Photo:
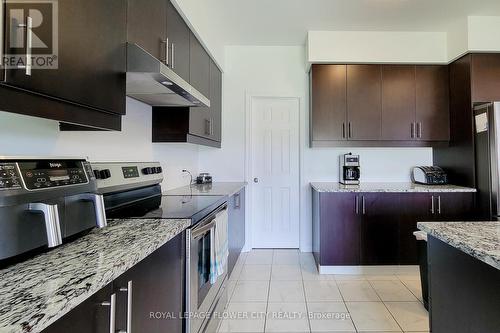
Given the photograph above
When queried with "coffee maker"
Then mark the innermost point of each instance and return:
(45, 202)
(349, 169)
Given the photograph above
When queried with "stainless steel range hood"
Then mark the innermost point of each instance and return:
(151, 81)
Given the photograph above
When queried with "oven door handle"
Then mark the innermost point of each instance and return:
(202, 230)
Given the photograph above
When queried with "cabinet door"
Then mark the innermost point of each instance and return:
(415, 207)
(91, 54)
(147, 24)
(215, 102)
(379, 228)
(178, 34)
(328, 103)
(454, 206)
(2, 36)
(398, 102)
(364, 102)
(432, 96)
(90, 316)
(236, 228)
(339, 229)
(199, 67)
(157, 287)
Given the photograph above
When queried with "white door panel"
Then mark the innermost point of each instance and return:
(275, 163)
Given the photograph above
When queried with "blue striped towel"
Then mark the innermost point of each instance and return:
(220, 246)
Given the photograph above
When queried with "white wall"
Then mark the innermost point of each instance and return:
(483, 33)
(376, 47)
(22, 135)
(280, 71)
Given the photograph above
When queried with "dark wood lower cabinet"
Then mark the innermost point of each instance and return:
(236, 228)
(377, 228)
(156, 287)
(91, 316)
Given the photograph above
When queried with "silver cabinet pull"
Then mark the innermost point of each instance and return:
(343, 130)
(419, 130)
(432, 204)
(211, 126)
(412, 130)
(173, 55)
(237, 201)
(112, 313)
(363, 204)
(52, 222)
(165, 42)
(29, 44)
(356, 205)
(99, 208)
(439, 204)
(129, 305)
(350, 131)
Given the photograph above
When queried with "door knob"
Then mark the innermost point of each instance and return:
(256, 180)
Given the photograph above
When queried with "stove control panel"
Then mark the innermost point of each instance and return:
(49, 174)
(9, 176)
(113, 176)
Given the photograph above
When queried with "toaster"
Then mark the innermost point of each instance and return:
(429, 175)
(204, 178)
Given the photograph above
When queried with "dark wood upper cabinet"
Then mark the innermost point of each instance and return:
(328, 103)
(364, 102)
(398, 102)
(485, 74)
(178, 34)
(147, 26)
(91, 56)
(432, 96)
(199, 67)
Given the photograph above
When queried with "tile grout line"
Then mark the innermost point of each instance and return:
(268, 293)
(345, 304)
(305, 296)
(383, 302)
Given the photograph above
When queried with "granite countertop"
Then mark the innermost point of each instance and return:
(37, 292)
(481, 240)
(387, 187)
(219, 188)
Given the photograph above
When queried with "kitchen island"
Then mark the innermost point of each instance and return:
(464, 276)
(38, 292)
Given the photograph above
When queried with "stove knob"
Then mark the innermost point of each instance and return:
(159, 170)
(97, 174)
(148, 171)
(105, 174)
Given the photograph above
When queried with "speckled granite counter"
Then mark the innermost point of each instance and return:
(481, 240)
(37, 292)
(221, 188)
(388, 187)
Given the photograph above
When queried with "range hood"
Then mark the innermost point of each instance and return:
(151, 81)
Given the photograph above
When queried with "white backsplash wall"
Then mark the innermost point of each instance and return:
(22, 135)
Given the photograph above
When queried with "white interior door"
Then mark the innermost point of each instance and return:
(275, 172)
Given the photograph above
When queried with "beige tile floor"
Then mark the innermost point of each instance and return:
(281, 291)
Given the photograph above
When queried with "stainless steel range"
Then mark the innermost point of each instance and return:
(45, 202)
(132, 190)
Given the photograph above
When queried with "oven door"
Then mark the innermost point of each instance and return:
(202, 293)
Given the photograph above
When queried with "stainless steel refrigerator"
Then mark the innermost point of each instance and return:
(487, 148)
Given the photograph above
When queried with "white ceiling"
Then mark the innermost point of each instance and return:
(286, 22)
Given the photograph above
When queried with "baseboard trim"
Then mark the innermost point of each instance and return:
(361, 270)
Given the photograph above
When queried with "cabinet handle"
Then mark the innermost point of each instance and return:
(412, 131)
(211, 126)
(356, 204)
(363, 204)
(207, 126)
(419, 130)
(350, 132)
(29, 44)
(432, 205)
(343, 130)
(165, 41)
(112, 313)
(237, 201)
(439, 204)
(173, 55)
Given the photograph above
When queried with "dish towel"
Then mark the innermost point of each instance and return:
(221, 248)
